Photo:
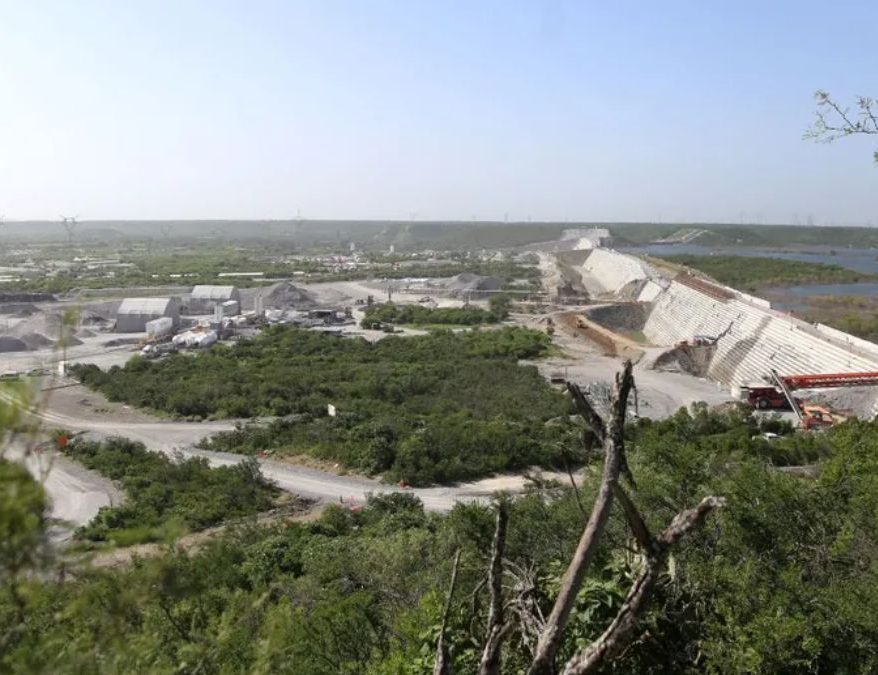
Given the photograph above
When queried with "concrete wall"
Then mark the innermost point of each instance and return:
(650, 291)
(760, 338)
(606, 271)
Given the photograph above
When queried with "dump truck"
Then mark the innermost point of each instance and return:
(767, 398)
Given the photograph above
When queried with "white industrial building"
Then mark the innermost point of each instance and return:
(134, 313)
(205, 298)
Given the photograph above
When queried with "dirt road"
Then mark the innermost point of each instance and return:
(77, 494)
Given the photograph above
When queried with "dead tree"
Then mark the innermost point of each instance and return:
(656, 550)
(548, 632)
(613, 443)
(498, 627)
(443, 665)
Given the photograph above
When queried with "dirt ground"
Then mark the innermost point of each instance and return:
(660, 394)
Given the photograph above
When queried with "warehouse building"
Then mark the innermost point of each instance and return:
(204, 299)
(134, 313)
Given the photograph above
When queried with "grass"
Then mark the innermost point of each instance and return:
(752, 274)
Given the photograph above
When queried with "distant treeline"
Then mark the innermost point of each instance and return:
(206, 266)
(775, 236)
(753, 273)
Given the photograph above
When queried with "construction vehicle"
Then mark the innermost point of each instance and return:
(816, 417)
(767, 398)
(154, 350)
(780, 396)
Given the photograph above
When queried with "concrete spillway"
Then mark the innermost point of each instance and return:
(755, 337)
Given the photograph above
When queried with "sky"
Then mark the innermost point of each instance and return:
(433, 110)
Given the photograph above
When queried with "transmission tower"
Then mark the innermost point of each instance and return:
(69, 223)
(166, 230)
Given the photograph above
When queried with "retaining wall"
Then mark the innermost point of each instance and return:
(614, 271)
(759, 338)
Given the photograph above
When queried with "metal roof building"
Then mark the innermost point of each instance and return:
(205, 297)
(134, 313)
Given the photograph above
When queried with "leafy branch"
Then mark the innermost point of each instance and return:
(833, 121)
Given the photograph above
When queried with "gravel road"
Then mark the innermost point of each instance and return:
(77, 494)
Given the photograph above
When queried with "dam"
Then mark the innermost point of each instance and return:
(748, 337)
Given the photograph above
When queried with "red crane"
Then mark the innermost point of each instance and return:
(779, 396)
(818, 417)
(830, 380)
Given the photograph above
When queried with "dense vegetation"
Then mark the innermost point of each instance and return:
(377, 316)
(440, 407)
(782, 580)
(854, 314)
(165, 496)
(746, 273)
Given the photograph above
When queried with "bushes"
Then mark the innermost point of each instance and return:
(418, 315)
(751, 273)
(162, 495)
(453, 387)
(781, 580)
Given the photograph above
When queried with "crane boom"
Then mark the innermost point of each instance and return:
(830, 380)
(787, 391)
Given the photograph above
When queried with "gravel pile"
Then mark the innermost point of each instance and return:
(467, 281)
(9, 343)
(284, 295)
(19, 309)
(36, 341)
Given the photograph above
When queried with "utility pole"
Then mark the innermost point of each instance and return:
(69, 223)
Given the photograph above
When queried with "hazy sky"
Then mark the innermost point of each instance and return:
(448, 109)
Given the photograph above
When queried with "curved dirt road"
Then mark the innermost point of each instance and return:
(78, 500)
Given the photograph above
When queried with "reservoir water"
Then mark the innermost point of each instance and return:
(863, 260)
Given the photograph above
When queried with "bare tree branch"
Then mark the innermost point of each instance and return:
(616, 635)
(595, 422)
(443, 664)
(575, 490)
(587, 412)
(833, 121)
(550, 639)
(497, 626)
(635, 520)
(526, 604)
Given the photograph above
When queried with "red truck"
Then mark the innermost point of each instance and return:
(767, 398)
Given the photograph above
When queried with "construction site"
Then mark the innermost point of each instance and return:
(672, 320)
